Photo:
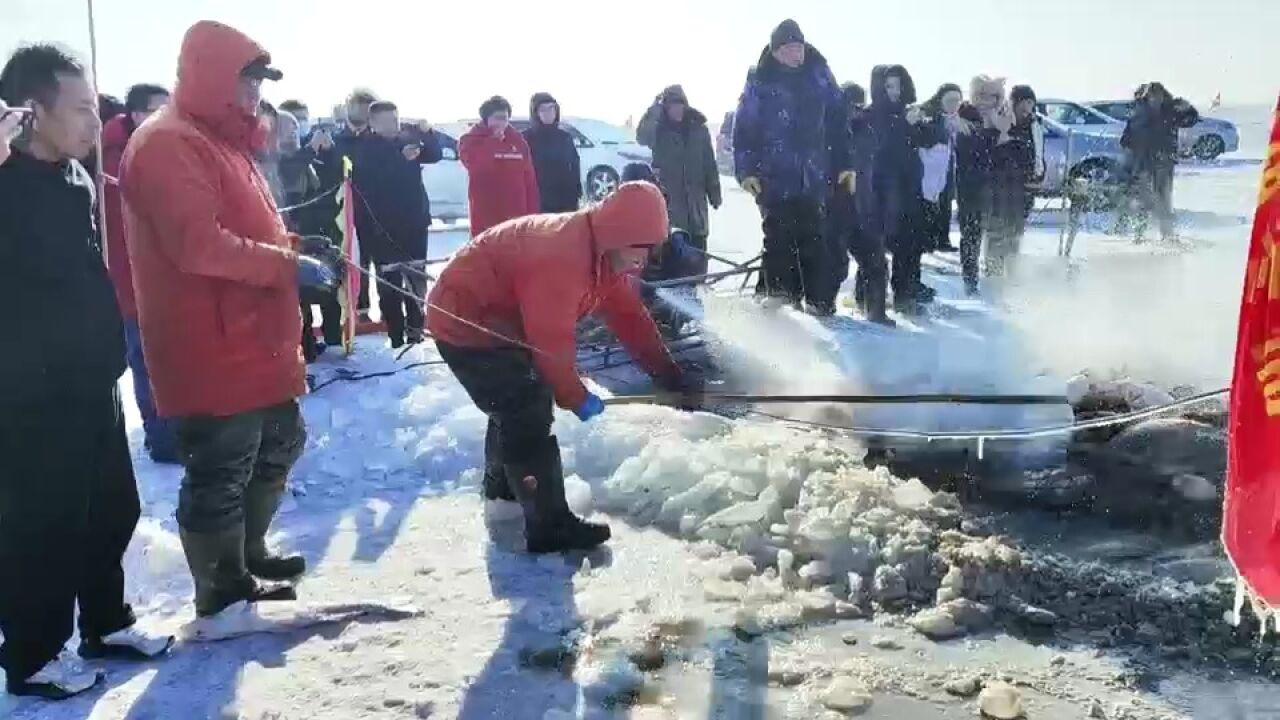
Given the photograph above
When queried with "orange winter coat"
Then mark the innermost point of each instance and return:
(534, 278)
(501, 183)
(215, 278)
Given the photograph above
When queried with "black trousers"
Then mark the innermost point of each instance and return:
(974, 203)
(504, 384)
(908, 245)
(937, 220)
(223, 455)
(1006, 223)
(68, 508)
(330, 322)
(401, 313)
(794, 251)
(700, 263)
(1155, 192)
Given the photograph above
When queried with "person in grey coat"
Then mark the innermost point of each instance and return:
(685, 161)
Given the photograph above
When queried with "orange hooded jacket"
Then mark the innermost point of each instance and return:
(532, 279)
(214, 275)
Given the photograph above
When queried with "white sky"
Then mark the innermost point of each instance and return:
(608, 59)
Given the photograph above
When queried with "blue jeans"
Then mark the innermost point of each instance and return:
(162, 441)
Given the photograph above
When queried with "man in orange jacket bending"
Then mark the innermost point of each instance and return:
(503, 314)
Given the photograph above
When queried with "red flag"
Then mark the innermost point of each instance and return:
(1251, 514)
(351, 249)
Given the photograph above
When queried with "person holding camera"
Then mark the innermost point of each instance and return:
(1151, 137)
(393, 213)
(68, 496)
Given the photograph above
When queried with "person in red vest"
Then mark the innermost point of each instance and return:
(503, 184)
(217, 281)
(503, 314)
(141, 102)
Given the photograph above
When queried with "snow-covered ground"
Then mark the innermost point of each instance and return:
(717, 521)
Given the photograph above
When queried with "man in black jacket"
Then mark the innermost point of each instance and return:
(555, 156)
(890, 200)
(68, 498)
(1151, 137)
(393, 213)
(982, 120)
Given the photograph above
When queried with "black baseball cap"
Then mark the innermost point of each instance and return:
(261, 69)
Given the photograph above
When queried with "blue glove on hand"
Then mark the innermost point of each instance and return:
(316, 275)
(590, 408)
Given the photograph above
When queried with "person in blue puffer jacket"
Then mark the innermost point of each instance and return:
(790, 146)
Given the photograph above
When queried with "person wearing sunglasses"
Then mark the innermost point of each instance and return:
(504, 313)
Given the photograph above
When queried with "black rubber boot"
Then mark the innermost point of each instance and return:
(876, 296)
(496, 486)
(218, 568)
(549, 525)
(261, 500)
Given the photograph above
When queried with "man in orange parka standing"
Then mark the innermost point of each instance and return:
(503, 314)
(217, 281)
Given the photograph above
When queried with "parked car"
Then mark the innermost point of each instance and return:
(1206, 140)
(605, 150)
(724, 145)
(1079, 151)
(1078, 115)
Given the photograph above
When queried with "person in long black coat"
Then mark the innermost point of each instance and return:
(1151, 137)
(393, 214)
(1013, 159)
(555, 156)
(889, 198)
(845, 233)
(942, 112)
(975, 140)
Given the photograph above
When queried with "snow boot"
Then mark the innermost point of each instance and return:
(496, 486)
(127, 644)
(261, 500)
(910, 307)
(218, 569)
(63, 677)
(549, 525)
(874, 306)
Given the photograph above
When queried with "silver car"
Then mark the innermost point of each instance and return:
(1205, 140)
(1079, 151)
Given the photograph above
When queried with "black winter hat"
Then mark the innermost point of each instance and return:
(537, 101)
(854, 94)
(675, 94)
(1020, 93)
(787, 32)
(638, 172)
(494, 104)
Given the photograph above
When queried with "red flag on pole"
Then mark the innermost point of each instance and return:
(1251, 513)
(347, 296)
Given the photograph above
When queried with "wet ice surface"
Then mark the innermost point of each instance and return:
(724, 523)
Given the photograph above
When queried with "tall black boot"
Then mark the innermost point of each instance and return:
(549, 525)
(877, 300)
(217, 566)
(496, 486)
(261, 500)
